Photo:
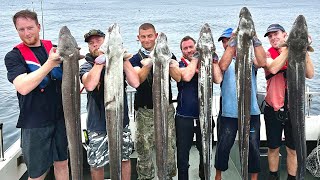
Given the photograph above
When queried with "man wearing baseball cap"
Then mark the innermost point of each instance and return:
(93, 32)
(228, 120)
(276, 101)
(92, 76)
(274, 28)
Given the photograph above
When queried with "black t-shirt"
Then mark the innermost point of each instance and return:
(96, 120)
(37, 109)
(143, 95)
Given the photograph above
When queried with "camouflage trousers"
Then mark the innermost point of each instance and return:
(98, 152)
(145, 143)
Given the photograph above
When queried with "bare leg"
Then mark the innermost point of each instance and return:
(254, 176)
(273, 159)
(292, 163)
(39, 178)
(218, 175)
(97, 173)
(61, 170)
(126, 170)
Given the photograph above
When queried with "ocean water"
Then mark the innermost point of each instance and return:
(176, 18)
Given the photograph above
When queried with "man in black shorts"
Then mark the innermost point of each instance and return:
(34, 69)
(275, 113)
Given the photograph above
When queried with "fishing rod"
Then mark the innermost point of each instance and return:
(41, 17)
(42, 21)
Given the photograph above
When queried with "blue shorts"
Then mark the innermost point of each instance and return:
(228, 128)
(42, 146)
(274, 129)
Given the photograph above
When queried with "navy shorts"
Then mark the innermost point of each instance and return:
(274, 130)
(228, 128)
(42, 146)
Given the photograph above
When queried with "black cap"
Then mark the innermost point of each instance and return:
(274, 28)
(93, 32)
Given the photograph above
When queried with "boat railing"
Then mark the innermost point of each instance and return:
(1, 143)
(309, 95)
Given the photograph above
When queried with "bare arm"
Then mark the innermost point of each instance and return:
(273, 66)
(142, 73)
(131, 74)
(91, 79)
(188, 72)
(226, 58)
(260, 57)
(217, 74)
(25, 83)
(174, 70)
(309, 67)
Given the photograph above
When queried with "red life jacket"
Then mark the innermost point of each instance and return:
(28, 55)
(274, 54)
(186, 62)
(33, 63)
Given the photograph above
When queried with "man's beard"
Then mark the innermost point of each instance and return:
(31, 42)
(94, 53)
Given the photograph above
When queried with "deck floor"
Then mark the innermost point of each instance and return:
(231, 174)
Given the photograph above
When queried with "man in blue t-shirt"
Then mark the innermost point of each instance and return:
(228, 122)
(187, 113)
(31, 66)
(92, 76)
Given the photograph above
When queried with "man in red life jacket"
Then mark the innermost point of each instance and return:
(34, 69)
(276, 101)
(185, 72)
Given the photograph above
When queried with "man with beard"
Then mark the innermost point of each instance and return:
(34, 69)
(92, 76)
(187, 113)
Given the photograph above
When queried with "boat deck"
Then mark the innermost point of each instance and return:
(232, 173)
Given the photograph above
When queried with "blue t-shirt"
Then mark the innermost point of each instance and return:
(229, 93)
(188, 102)
(37, 109)
(96, 120)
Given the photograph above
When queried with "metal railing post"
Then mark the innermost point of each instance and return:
(1, 143)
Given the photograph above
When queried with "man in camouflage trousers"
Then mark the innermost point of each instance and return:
(145, 138)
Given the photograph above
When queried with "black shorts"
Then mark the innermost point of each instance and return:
(42, 146)
(274, 128)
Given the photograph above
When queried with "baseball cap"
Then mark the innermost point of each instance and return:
(226, 34)
(93, 32)
(274, 28)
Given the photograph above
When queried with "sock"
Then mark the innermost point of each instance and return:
(291, 177)
(275, 174)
